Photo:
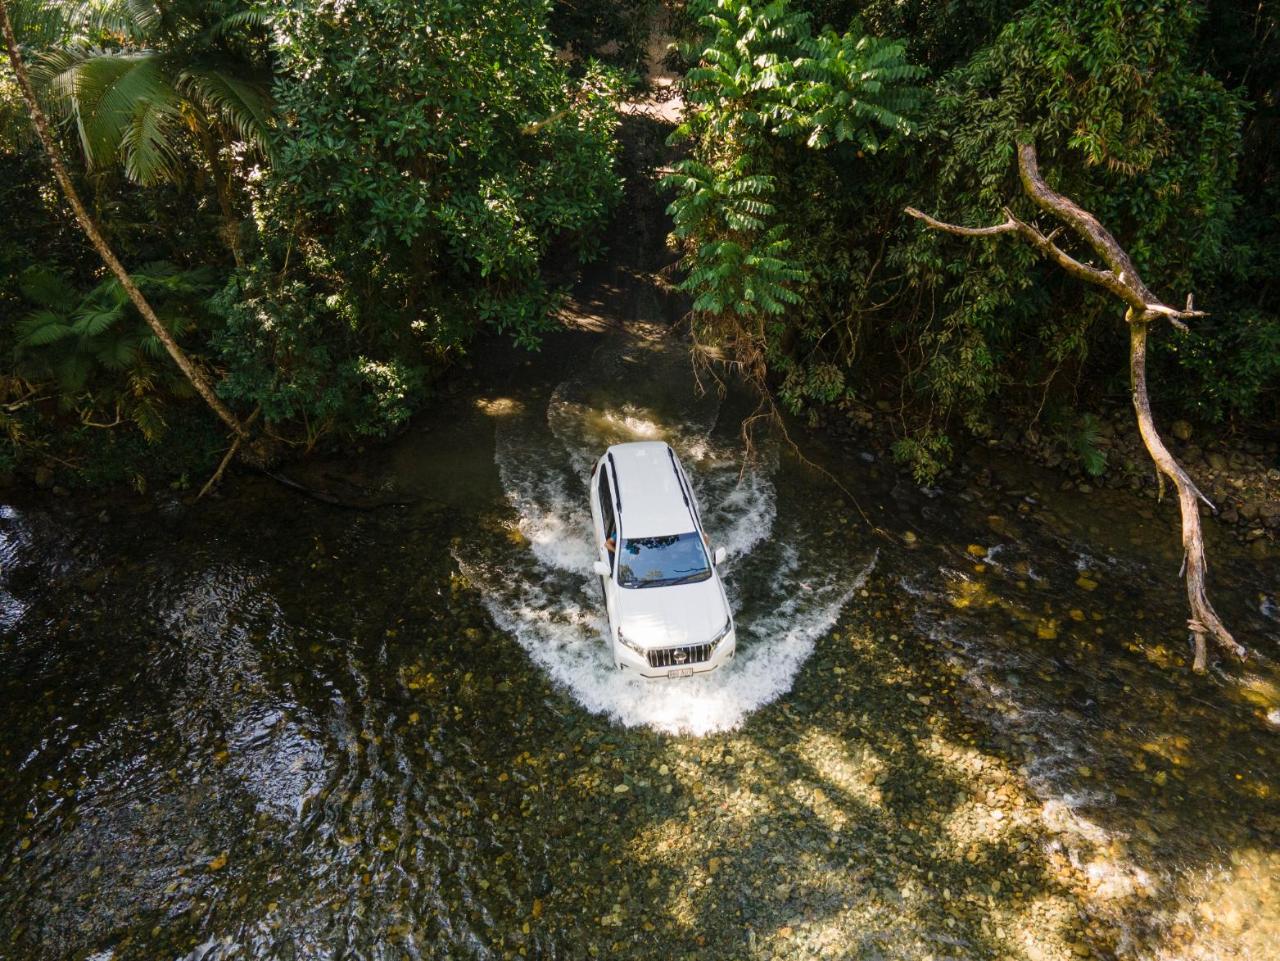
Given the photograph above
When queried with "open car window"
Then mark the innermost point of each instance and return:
(606, 507)
(662, 561)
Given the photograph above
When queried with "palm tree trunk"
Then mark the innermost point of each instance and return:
(189, 370)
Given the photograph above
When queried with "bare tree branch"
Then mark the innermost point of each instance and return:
(1204, 619)
(1044, 244)
(1122, 279)
(1085, 224)
(1009, 226)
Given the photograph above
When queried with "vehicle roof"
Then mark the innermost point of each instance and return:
(652, 500)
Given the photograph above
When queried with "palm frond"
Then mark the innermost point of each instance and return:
(42, 327)
(151, 346)
(242, 105)
(119, 96)
(146, 413)
(129, 20)
(96, 317)
(117, 353)
(249, 17)
(45, 287)
(38, 24)
(149, 147)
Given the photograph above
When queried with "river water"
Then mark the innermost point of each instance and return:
(265, 727)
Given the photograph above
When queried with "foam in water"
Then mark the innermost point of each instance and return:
(565, 636)
(539, 586)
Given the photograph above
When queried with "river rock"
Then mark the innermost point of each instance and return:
(43, 477)
(1216, 460)
(1181, 430)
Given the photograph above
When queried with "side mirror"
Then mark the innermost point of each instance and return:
(601, 568)
(720, 555)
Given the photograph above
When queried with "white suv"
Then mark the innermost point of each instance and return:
(668, 614)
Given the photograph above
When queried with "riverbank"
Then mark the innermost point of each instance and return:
(1241, 478)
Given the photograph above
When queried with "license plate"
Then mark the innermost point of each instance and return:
(680, 672)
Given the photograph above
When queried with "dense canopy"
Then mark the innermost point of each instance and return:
(331, 201)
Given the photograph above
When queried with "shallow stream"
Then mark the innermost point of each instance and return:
(265, 727)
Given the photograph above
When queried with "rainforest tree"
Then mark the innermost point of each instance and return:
(1142, 110)
(390, 179)
(141, 78)
(766, 98)
(433, 164)
(193, 373)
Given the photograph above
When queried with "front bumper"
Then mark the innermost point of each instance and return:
(664, 662)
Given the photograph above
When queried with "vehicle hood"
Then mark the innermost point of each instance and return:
(672, 616)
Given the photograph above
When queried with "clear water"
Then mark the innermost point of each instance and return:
(263, 727)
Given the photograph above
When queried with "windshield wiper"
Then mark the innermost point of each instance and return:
(687, 578)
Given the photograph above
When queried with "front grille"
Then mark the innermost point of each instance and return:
(680, 656)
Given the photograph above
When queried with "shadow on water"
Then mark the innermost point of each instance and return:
(1065, 618)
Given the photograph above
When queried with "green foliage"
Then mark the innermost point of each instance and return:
(143, 78)
(96, 350)
(1226, 366)
(1124, 124)
(1085, 442)
(926, 453)
(298, 356)
(937, 33)
(1128, 121)
(808, 384)
(436, 166)
(766, 93)
(435, 161)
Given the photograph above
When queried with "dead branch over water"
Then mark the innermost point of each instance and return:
(1120, 277)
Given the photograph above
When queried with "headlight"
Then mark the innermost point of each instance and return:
(632, 645)
(724, 631)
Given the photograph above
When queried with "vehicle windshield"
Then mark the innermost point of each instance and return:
(662, 561)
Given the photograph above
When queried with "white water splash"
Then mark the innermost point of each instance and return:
(564, 634)
(539, 588)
